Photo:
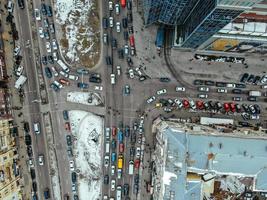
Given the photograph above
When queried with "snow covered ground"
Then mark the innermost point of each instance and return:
(80, 36)
(87, 130)
(82, 97)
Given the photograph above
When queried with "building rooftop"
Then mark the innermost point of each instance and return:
(201, 154)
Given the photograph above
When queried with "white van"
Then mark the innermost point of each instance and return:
(107, 147)
(131, 167)
(36, 128)
(112, 79)
(107, 133)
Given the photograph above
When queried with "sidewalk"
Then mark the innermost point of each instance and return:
(25, 181)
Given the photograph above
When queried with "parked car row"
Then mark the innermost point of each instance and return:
(220, 58)
(200, 82)
(253, 79)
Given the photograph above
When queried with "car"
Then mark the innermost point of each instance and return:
(44, 60)
(129, 61)
(180, 89)
(106, 161)
(37, 14)
(28, 140)
(186, 103)
(129, 5)
(263, 79)
(52, 28)
(108, 60)
(244, 78)
(59, 85)
(54, 87)
(46, 23)
(240, 85)
(106, 179)
(246, 108)
(50, 59)
(74, 188)
(237, 98)
(113, 144)
(111, 22)
(113, 184)
(121, 147)
(232, 107)
(46, 35)
(256, 80)
(137, 152)
(230, 85)
(31, 163)
(120, 53)
(29, 151)
(32, 172)
(48, 47)
(113, 170)
(127, 90)
(41, 159)
(48, 72)
(69, 152)
(117, 9)
(178, 102)
(252, 109)
(164, 79)
(236, 91)
(245, 116)
(151, 99)
(257, 109)
(137, 69)
(19, 70)
(131, 73)
(251, 98)
(250, 78)
(55, 56)
(110, 5)
(114, 131)
(131, 31)
(125, 35)
(226, 107)
(222, 90)
(198, 82)
(142, 78)
(74, 177)
(34, 186)
(126, 49)
(41, 32)
(71, 165)
(167, 109)
(220, 84)
(254, 117)
(64, 81)
(192, 104)
(209, 83)
(203, 96)
(67, 126)
(54, 44)
(162, 91)
(69, 140)
(129, 17)
(238, 108)
(82, 85)
(43, 9)
(124, 22)
(54, 71)
(17, 50)
(203, 89)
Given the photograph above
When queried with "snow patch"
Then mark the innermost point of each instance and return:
(167, 176)
(82, 97)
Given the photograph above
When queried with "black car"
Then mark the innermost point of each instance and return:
(164, 79)
(132, 151)
(73, 177)
(95, 80)
(113, 144)
(129, 61)
(133, 138)
(28, 140)
(21, 4)
(244, 124)
(257, 109)
(136, 189)
(120, 53)
(75, 197)
(238, 108)
(124, 23)
(240, 85)
(245, 107)
(50, 59)
(251, 78)
(26, 127)
(32, 172)
(105, 23)
(218, 106)
(236, 91)
(210, 83)
(49, 11)
(106, 179)
(129, 5)
(29, 151)
(212, 105)
(198, 82)
(69, 141)
(129, 17)
(108, 60)
(252, 98)
(126, 189)
(220, 84)
(48, 72)
(43, 9)
(136, 179)
(44, 60)
(34, 186)
(244, 78)
(114, 43)
(256, 80)
(125, 35)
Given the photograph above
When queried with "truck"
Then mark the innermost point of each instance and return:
(131, 167)
(120, 162)
(254, 93)
(159, 39)
(20, 82)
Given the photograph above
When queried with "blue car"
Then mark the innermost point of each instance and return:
(48, 72)
(82, 85)
(113, 157)
(120, 136)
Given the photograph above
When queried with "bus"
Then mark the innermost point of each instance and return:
(123, 3)
(63, 66)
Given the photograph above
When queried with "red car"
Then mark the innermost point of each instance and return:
(67, 126)
(200, 104)
(114, 131)
(232, 106)
(137, 164)
(226, 107)
(121, 147)
(186, 103)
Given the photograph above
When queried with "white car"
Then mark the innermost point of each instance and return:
(110, 22)
(98, 87)
(112, 170)
(230, 85)
(264, 79)
(151, 99)
(118, 70)
(126, 49)
(137, 69)
(55, 57)
(203, 89)
(73, 188)
(110, 5)
(30, 162)
(19, 70)
(64, 74)
(54, 71)
(179, 89)
(37, 14)
(118, 27)
(54, 44)
(192, 104)
(41, 159)
(48, 47)
(117, 9)
(179, 103)
(71, 165)
(222, 90)
(131, 72)
(113, 185)
(203, 96)
(58, 84)
(17, 50)
(41, 32)
(137, 152)
(162, 91)
(106, 161)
